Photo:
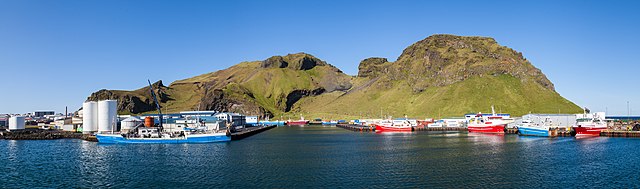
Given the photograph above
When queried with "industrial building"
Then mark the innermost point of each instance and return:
(4, 120)
(43, 113)
(557, 120)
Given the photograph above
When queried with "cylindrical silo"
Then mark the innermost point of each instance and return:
(89, 117)
(16, 123)
(129, 124)
(107, 115)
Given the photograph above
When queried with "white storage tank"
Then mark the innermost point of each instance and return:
(130, 123)
(16, 123)
(107, 115)
(89, 117)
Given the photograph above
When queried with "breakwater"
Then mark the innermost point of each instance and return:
(40, 134)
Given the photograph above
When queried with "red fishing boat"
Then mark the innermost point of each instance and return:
(487, 124)
(394, 126)
(302, 121)
(589, 124)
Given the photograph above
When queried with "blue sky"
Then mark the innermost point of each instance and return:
(56, 53)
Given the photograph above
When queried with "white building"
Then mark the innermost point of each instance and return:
(557, 120)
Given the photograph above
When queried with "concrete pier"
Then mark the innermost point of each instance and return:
(250, 131)
(620, 133)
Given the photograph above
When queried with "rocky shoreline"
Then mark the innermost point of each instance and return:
(40, 134)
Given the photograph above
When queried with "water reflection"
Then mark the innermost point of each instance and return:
(323, 157)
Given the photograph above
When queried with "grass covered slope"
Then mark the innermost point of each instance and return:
(475, 94)
(442, 76)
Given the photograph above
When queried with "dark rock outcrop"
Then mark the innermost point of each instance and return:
(133, 101)
(441, 60)
(372, 67)
(298, 61)
(296, 95)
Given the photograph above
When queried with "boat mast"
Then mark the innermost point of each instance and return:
(156, 101)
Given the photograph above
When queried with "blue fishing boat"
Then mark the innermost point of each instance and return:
(528, 128)
(162, 139)
(329, 122)
(277, 123)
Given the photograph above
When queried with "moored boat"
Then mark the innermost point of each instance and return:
(154, 135)
(589, 124)
(487, 124)
(394, 126)
(316, 121)
(528, 128)
(302, 121)
(332, 122)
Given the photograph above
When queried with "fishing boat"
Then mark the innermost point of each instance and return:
(154, 135)
(589, 124)
(394, 126)
(529, 128)
(316, 121)
(332, 122)
(302, 121)
(487, 124)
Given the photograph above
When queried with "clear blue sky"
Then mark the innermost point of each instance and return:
(56, 53)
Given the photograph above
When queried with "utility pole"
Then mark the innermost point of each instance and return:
(628, 110)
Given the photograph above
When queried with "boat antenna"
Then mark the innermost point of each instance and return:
(493, 111)
(155, 100)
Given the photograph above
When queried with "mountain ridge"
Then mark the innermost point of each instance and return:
(303, 84)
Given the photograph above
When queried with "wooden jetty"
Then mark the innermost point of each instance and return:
(250, 131)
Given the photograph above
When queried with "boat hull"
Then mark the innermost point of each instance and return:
(381, 128)
(588, 131)
(195, 138)
(534, 131)
(487, 129)
(297, 122)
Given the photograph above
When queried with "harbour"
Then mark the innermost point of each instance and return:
(319, 94)
(287, 156)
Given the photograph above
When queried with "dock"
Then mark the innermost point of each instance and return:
(363, 128)
(620, 133)
(353, 127)
(250, 131)
(439, 129)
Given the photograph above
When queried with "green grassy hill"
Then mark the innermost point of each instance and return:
(507, 93)
(440, 76)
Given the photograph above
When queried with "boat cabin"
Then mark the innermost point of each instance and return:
(149, 132)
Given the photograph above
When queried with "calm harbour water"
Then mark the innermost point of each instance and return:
(328, 157)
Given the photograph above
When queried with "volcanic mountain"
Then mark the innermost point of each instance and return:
(440, 76)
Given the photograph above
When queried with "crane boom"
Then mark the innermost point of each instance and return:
(153, 94)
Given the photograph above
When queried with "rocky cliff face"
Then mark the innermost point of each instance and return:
(299, 61)
(373, 67)
(441, 60)
(137, 101)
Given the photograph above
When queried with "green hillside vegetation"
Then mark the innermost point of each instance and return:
(476, 94)
(440, 76)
